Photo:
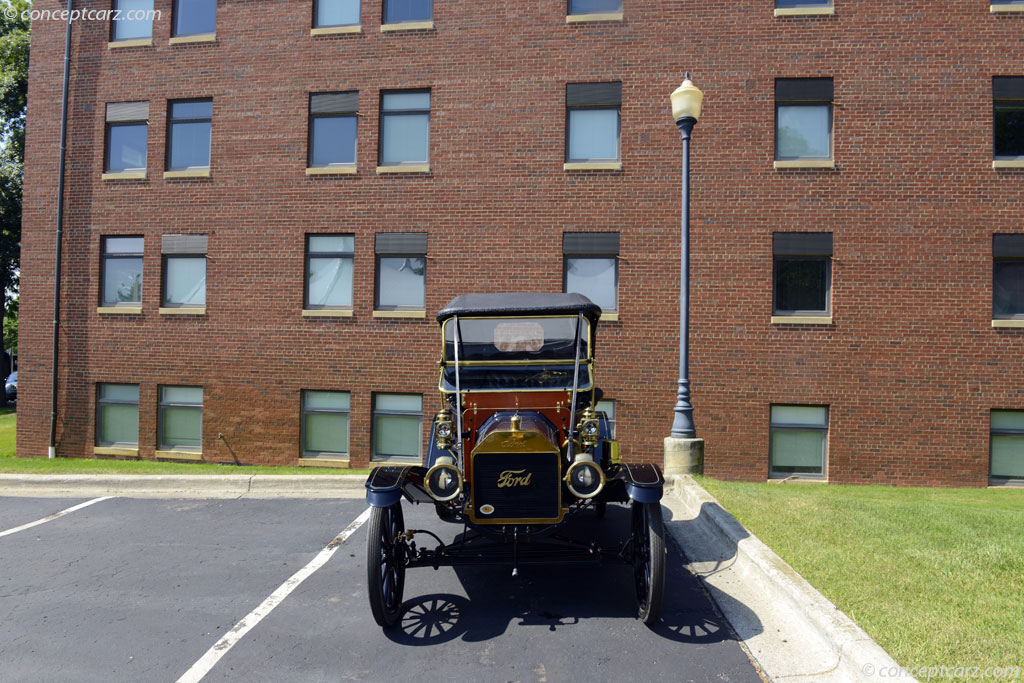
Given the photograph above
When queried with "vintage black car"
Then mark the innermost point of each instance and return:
(516, 449)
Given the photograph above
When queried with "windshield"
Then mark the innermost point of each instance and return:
(516, 339)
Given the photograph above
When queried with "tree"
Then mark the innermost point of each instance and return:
(14, 46)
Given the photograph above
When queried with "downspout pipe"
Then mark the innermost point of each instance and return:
(52, 452)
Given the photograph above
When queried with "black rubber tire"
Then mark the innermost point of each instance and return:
(385, 564)
(648, 560)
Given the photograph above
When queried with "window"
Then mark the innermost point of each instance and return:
(1008, 117)
(121, 271)
(405, 127)
(405, 11)
(184, 270)
(325, 424)
(117, 415)
(802, 273)
(594, 6)
(397, 426)
(401, 270)
(591, 267)
(127, 129)
(592, 122)
(332, 129)
(802, 4)
(327, 13)
(181, 419)
(803, 118)
(194, 18)
(132, 20)
(188, 134)
(1008, 276)
(1006, 450)
(329, 271)
(608, 406)
(799, 440)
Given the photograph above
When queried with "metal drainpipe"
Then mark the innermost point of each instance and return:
(52, 453)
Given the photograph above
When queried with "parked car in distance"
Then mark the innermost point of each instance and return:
(11, 386)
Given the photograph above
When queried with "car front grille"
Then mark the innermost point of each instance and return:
(516, 487)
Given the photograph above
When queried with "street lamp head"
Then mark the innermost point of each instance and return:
(686, 101)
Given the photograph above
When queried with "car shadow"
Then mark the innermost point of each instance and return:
(555, 597)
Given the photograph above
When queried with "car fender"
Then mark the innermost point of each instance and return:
(643, 481)
(387, 484)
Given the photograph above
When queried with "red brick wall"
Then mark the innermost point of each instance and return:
(910, 367)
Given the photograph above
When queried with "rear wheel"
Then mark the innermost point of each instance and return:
(648, 560)
(385, 564)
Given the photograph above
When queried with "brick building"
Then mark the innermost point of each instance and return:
(268, 201)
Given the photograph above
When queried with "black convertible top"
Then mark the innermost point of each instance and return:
(520, 303)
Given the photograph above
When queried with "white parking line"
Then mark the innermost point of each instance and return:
(221, 647)
(56, 515)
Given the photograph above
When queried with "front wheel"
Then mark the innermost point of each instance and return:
(648, 560)
(385, 564)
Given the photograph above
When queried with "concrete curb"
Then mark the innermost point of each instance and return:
(183, 486)
(793, 603)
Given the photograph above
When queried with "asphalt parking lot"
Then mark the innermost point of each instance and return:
(155, 590)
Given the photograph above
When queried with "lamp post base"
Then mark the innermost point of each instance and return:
(684, 456)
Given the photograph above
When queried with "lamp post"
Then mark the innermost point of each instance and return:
(684, 453)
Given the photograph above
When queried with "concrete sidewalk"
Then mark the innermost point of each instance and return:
(790, 629)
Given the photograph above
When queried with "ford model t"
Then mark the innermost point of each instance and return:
(516, 450)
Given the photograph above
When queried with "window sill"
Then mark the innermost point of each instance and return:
(124, 175)
(592, 166)
(197, 310)
(804, 11)
(999, 9)
(335, 30)
(399, 314)
(1009, 322)
(119, 310)
(188, 173)
(331, 170)
(140, 42)
(327, 313)
(201, 38)
(610, 317)
(583, 18)
(408, 26)
(120, 452)
(1008, 163)
(411, 168)
(806, 163)
(191, 456)
(342, 463)
(801, 320)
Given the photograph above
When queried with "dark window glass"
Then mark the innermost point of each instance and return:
(132, 20)
(802, 3)
(332, 140)
(1009, 128)
(336, 13)
(801, 284)
(126, 146)
(329, 271)
(799, 438)
(195, 17)
(594, 6)
(400, 11)
(1008, 288)
(405, 128)
(188, 134)
(122, 271)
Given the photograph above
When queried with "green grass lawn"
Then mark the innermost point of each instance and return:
(12, 465)
(936, 576)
